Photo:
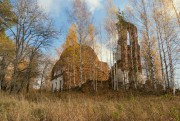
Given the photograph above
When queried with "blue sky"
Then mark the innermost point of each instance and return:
(57, 10)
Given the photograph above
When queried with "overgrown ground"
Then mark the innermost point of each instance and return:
(78, 106)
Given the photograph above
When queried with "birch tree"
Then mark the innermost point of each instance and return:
(156, 20)
(176, 11)
(81, 17)
(110, 27)
(140, 14)
(91, 43)
(167, 36)
(71, 41)
(45, 70)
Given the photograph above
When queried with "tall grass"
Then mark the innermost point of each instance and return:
(76, 106)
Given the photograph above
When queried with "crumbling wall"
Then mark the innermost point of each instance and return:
(130, 61)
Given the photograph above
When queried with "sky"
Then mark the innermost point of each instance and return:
(57, 10)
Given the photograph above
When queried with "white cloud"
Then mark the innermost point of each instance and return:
(50, 6)
(54, 5)
(45, 4)
(93, 4)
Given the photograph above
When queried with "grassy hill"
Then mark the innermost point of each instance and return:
(78, 106)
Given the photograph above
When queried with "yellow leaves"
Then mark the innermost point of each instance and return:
(166, 9)
(70, 46)
(6, 14)
(111, 8)
(91, 30)
(70, 62)
(110, 21)
(91, 35)
(155, 54)
(22, 65)
(71, 38)
(6, 45)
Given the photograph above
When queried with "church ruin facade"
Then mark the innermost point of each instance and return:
(127, 69)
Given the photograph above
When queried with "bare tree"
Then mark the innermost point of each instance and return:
(46, 67)
(167, 34)
(32, 31)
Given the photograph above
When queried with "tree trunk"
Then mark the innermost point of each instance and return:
(176, 12)
(27, 87)
(151, 58)
(2, 75)
(80, 63)
(15, 76)
(160, 54)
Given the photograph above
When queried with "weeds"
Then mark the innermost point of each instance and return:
(87, 107)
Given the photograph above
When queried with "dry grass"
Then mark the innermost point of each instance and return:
(76, 106)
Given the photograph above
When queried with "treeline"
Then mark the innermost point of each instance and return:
(158, 24)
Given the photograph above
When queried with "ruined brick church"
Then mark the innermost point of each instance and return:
(127, 68)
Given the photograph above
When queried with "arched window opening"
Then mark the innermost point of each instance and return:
(128, 38)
